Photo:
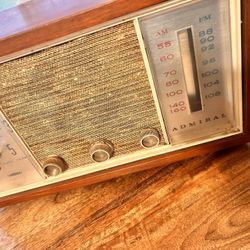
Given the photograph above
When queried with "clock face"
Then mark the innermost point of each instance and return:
(17, 167)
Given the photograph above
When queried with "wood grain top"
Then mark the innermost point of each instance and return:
(201, 203)
(40, 21)
(36, 13)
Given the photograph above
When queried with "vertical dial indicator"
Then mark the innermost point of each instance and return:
(186, 43)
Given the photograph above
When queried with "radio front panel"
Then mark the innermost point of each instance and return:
(163, 80)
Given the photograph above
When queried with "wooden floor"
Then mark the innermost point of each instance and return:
(201, 203)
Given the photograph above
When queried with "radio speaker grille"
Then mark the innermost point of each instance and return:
(63, 98)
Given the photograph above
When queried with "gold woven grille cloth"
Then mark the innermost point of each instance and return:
(63, 98)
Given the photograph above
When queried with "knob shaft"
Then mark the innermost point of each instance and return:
(54, 165)
(101, 150)
(150, 138)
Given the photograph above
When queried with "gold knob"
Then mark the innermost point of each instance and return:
(150, 138)
(101, 150)
(54, 165)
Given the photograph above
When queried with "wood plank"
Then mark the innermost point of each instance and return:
(201, 203)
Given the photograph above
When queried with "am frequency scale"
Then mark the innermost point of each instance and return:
(192, 55)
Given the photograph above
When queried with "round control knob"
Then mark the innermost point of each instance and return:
(150, 138)
(54, 165)
(101, 150)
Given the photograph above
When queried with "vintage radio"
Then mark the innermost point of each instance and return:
(91, 91)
